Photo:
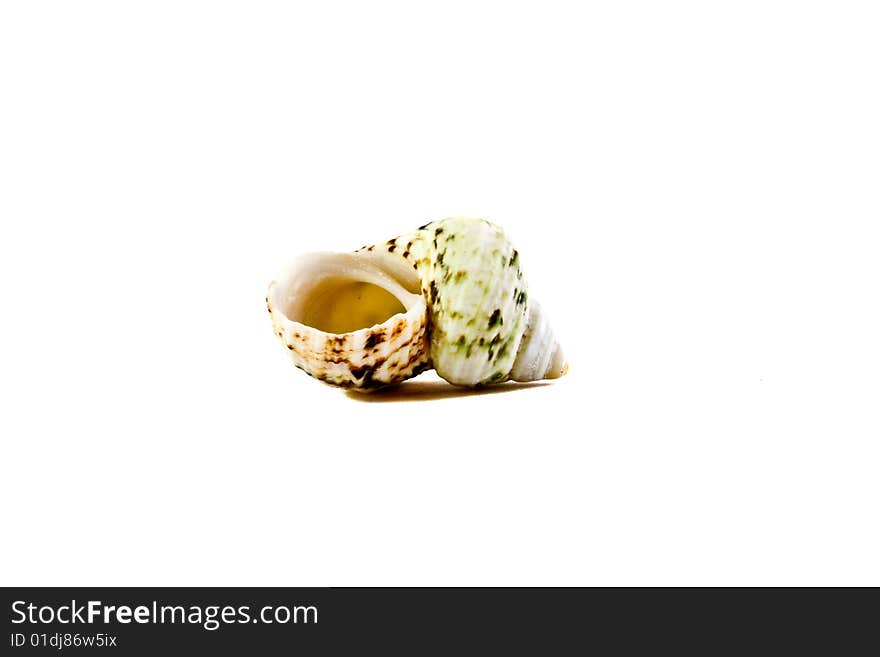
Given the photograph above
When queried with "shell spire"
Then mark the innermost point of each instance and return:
(450, 295)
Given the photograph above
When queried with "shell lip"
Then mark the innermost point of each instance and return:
(308, 269)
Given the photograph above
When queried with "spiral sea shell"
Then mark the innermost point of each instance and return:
(450, 295)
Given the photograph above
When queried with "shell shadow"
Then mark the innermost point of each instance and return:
(414, 391)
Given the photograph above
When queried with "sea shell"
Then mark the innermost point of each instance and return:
(450, 295)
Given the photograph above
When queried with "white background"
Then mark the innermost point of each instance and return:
(693, 188)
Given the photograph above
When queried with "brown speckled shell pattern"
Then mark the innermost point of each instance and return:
(385, 354)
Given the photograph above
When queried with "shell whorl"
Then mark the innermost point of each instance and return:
(464, 309)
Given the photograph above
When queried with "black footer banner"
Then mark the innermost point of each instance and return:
(317, 621)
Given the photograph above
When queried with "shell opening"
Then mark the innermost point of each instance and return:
(341, 292)
(340, 306)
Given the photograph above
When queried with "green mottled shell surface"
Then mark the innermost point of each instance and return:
(477, 300)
